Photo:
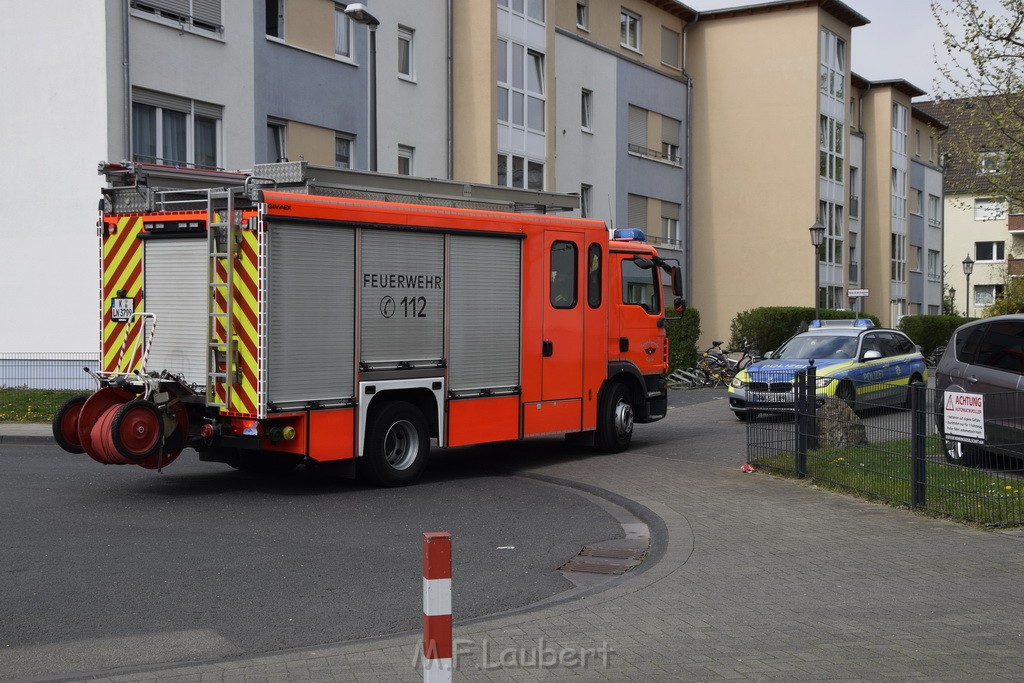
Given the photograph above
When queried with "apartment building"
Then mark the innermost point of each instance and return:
(647, 110)
(980, 226)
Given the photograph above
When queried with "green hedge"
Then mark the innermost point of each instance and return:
(682, 338)
(766, 328)
(931, 331)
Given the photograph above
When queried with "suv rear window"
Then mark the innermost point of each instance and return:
(1002, 346)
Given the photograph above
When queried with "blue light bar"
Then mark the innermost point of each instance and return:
(864, 323)
(629, 234)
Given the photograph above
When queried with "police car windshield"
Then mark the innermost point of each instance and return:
(818, 346)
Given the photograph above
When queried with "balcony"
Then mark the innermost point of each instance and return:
(1014, 266)
(1015, 222)
(649, 153)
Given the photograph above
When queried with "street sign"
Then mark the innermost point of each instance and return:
(964, 416)
(857, 293)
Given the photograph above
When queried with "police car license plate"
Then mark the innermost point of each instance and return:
(771, 398)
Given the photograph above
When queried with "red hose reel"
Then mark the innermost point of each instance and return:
(115, 426)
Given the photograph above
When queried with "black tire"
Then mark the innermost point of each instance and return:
(960, 453)
(914, 379)
(614, 420)
(137, 431)
(397, 445)
(65, 424)
(847, 394)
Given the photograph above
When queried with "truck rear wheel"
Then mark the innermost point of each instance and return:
(614, 420)
(397, 445)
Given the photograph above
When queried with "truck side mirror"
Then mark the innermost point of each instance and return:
(677, 282)
(680, 305)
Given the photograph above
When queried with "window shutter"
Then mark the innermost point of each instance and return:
(176, 7)
(636, 212)
(669, 47)
(212, 111)
(637, 127)
(163, 100)
(207, 11)
(670, 130)
(670, 210)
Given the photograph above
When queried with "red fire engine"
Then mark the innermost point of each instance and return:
(298, 313)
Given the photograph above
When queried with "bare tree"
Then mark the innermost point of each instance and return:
(983, 98)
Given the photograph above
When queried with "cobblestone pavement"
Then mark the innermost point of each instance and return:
(750, 578)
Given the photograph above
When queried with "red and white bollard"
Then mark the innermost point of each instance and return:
(437, 607)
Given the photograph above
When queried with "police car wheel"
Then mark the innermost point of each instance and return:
(914, 379)
(847, 394)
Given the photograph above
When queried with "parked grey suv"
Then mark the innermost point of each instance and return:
(985, 357)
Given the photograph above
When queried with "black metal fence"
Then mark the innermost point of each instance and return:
(33, 385)
(959, 455)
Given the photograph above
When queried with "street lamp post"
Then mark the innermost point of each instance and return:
(358, 13)
(968, 269)
(952, 299)
(817, 237)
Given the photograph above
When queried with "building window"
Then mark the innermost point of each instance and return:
(342, 33)
(898, 188)
(405, 157)
(275, 18)
(521, 86)
(203, 14)
(899, 128)
(917, 202)
(854, 188)
(670, 224)
(832, 247)
(986, 295)
(898, 258)
(629, 30)
(917, 142)
(277, 140)
(176, 131)
(535, 10)
(517, 171)
(934, 265)
(582, 15)
(832, 65)
(830, 148)
(934, 210)
(670, 41)
(989, 251)
(991, 163)
(586, 109)
(406, 63)
(344, 145)
(586, 197)
(670, 150)
(988, 209)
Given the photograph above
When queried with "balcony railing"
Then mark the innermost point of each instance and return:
(675, 160)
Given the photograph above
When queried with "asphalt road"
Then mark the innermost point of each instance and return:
(108, 566)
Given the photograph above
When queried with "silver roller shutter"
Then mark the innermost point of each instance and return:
(175, 290)
(311, 314)
(402, 299)
(484, 287)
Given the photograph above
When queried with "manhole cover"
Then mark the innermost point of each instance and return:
(604, 559)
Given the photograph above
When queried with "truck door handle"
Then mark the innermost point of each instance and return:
(623, 344)
(547, 349)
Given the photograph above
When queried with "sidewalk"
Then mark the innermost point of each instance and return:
(25, 432)
(751, 578)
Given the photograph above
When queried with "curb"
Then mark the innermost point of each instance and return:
(25, 439)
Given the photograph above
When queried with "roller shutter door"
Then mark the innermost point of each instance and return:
(311, 308)
(402, 298)
(484, 314)
(175, 290)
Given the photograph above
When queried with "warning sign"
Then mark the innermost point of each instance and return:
(964, 416)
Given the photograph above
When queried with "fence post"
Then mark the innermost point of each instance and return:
(437, 607)
(799, 400)
(811, 408)
(918, 435)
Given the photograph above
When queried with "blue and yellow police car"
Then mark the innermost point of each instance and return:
(861, 364)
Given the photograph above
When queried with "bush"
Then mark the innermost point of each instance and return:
(930, 331)
(766, 328)
(682, 339)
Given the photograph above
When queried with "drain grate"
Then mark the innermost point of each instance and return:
(605, 559)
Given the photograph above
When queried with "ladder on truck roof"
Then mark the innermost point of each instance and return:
(223, 243)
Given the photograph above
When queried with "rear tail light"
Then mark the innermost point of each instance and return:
(244, 427)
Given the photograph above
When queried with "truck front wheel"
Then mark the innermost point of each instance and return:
(614, 420)
(397, 445)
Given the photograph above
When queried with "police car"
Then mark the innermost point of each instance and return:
(854, 361)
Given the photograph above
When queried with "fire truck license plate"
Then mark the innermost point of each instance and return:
(121, 310)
